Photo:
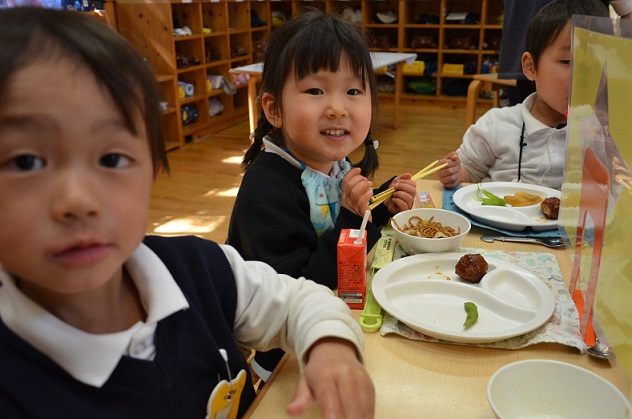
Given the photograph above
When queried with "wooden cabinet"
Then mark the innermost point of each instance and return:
(189, 44)
(453, 38)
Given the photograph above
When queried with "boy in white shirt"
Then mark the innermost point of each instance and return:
(527, 142)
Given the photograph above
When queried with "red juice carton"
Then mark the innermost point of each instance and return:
(352, 268)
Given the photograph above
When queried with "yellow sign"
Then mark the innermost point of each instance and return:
(600, 118)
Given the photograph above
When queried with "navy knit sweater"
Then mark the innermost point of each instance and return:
(176, 384)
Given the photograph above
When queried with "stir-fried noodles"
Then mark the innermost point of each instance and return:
(419, 227)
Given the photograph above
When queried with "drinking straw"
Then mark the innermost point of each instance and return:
(365, 219)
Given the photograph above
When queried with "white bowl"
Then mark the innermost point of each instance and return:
(552, 389)
(414, 245)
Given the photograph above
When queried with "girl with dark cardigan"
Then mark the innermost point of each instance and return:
(318, 97)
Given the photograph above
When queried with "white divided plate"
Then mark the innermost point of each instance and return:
(509, 218)
(423, 292)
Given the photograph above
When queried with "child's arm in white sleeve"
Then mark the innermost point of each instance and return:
(306, 318)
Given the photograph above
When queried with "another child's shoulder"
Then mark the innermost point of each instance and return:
(505, 111)
(507, 114)
(190, 256)
(269, 164)
(269, 171)
(184, 245)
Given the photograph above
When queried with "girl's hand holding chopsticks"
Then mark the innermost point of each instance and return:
(398, 197)
(385, 195)
(403, 195)
(356, 192)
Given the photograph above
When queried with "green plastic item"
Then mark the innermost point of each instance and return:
(371, 318)
(422, 86)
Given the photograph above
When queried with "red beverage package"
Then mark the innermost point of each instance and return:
(352, 267)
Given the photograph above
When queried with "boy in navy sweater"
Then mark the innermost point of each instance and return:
(97, 320)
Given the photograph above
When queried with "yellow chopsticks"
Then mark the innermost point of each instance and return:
(384, 195)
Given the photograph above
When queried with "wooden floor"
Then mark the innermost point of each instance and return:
(198, 195)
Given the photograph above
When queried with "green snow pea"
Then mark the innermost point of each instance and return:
(488, 198)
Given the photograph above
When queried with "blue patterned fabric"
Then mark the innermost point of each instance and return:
(324, 193)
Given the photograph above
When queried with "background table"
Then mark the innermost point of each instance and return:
(380, 59)
(434, 380)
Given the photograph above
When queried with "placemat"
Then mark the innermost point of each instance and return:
(448, 204)
(562, 327)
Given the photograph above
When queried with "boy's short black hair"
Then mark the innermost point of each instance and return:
(35, 34)
(552, 18)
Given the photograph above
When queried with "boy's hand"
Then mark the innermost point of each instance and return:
(356, 192)
(450, 175)
(402, 198)
(336, 381)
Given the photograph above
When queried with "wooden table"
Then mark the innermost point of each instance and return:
(480, 82)
(434, 380)
(380, 59)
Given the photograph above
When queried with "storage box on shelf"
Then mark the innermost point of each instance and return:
(189, 44)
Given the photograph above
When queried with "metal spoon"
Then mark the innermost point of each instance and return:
(600, 350)
(546, 241)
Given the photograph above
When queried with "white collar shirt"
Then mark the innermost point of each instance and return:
(270, 147)
(91, 358)
(491, 148)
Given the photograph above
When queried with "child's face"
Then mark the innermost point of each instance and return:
(74, 182)
(325, 117)
(552, 79)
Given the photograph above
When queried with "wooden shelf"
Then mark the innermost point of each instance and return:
(150, 28)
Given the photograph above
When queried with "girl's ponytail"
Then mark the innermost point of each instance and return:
(370, 161)
(263, 128)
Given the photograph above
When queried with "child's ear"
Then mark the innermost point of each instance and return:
(271, 110)
(528, 67)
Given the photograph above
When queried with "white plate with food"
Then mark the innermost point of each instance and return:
(424, 292)
(514, 217)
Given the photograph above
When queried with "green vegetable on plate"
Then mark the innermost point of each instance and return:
(472, 314)
(488, 198)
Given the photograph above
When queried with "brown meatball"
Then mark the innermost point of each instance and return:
(471, 267)
(551, 207)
